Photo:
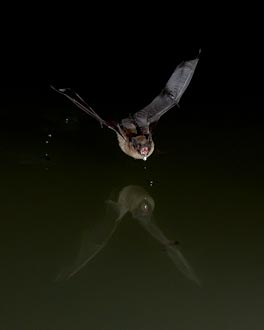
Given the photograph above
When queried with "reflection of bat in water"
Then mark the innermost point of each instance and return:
(140, 204)
(135, 132)
(136, 200)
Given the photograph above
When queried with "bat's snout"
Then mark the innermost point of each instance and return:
(144, 151)
(142, 145)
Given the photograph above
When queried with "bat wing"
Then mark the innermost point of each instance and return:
(170, 95)
(80, 103)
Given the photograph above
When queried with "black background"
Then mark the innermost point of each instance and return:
(207, 178)
(123, 56)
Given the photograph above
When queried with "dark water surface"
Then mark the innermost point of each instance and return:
(207, 183)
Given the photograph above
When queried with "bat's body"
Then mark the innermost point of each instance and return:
(135, 132)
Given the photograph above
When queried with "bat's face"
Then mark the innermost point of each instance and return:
(138, 147)
(142, 145)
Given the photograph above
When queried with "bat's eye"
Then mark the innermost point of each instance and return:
(134, 142)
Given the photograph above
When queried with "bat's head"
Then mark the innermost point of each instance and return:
(142, 146)
(138, 147)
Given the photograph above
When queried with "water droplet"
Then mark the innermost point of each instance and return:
(49, 135)
(47, 157)
(67, 121)
(46, 141)
(145, 158)
(151, 183)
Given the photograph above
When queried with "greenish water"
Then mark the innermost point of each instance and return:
(207, 184)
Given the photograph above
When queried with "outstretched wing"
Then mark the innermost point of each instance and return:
(170, 95)
(80, 103)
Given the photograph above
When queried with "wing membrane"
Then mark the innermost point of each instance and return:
(80, 103)
(170, 95)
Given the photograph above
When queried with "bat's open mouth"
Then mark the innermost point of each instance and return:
(144, 151)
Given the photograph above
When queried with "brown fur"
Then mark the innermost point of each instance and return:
(129, 150)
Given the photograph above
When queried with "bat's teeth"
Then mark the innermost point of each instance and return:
(144, 151)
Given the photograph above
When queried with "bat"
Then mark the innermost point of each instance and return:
(135, 133)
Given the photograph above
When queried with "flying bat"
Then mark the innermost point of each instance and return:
(135, 133)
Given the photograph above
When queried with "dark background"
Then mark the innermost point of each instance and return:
(207, 171)
(119, 60)
(123, 64)
(126, 63)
